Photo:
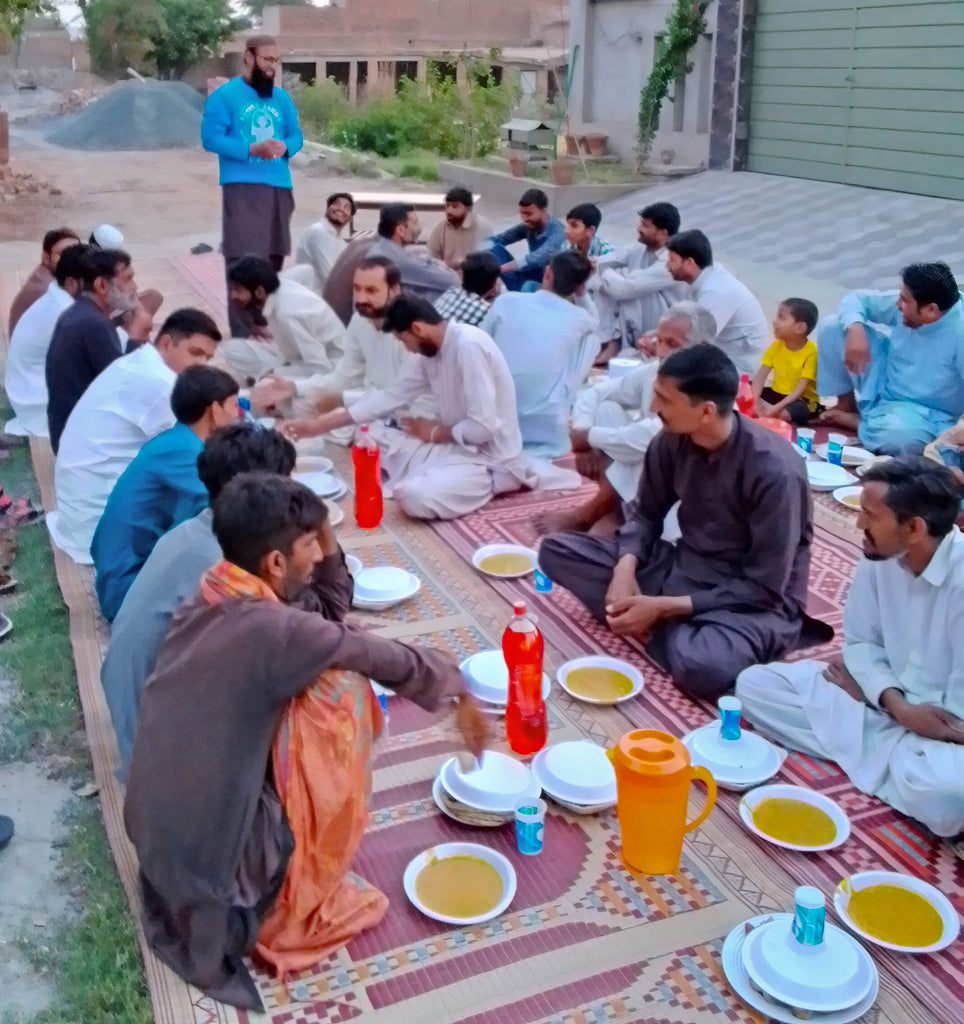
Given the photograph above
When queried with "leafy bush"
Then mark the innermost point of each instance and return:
(319, 105)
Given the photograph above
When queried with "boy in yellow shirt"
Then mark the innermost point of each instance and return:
(792, 394)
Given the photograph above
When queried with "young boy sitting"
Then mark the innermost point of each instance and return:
(792, 394)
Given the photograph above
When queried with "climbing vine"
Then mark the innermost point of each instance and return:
(684, 26)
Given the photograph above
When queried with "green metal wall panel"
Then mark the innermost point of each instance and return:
(867, 92)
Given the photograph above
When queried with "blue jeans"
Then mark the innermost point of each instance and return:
(529, 279)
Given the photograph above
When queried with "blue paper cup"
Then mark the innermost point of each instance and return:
(542, 581)
(835, 447)
(805, 439)
(530, 817)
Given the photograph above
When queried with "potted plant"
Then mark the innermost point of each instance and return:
(518, 163)
(561, 171)
(596, 143)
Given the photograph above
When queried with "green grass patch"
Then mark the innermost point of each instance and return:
(419, 164)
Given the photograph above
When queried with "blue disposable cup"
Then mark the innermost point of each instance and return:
(530, 817)
(805, 439)
(835, 447)
(730, 708)
(542, 581)
(809, 915)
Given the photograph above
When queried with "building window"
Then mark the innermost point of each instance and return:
(446, 70)
(491, 77)
(679, 102)
(361, 70)
(527, 84)
(557, 82)
(304, 72)
(405, 69)
(339, 71)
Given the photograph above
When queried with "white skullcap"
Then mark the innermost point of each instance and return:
(108, 237)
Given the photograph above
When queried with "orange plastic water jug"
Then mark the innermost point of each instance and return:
(653, 775)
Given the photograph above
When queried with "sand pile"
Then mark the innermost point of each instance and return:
(135, 115)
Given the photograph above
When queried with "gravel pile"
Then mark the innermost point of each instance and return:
(135, 115)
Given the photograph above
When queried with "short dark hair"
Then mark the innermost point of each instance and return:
(101, 263)
(253, 272)
(197, 388)
(243, 447)
(588, 213)
(534, 197)
(803, 311)
(570, 270)
(391, 215)
(480, 271)
(918, 487)
(460, 194)
(393, 275)
(343, 195)
(704, 373)
(931, 282)
(257, 513)
(254, 43)
(404, 310)
(692, 245)
(182, 323)
(71, 264)
(664, 216)
(52, 237)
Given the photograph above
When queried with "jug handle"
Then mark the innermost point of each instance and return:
(699, 772)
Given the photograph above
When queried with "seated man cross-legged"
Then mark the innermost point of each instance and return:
(896, 361)
(735, 583)
(250, 838)
(890, 710)
(613, 424)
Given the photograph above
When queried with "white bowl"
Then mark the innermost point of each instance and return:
(497, 860)
(335, 514)
(806, 796)
(354, 565)
(487, 678)
(842, 493)
(313, 464)
(325, 485)
(853, 455)
(619, 366)
(505, 549)
(497, 786)
(829, 977)
(824, 476)
(578, 771)
(739, 979)
(734, 764)
(382, 583)
(599, 661)
(943, 906)
(478, 819)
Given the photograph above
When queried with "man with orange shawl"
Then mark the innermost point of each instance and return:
(248, 785)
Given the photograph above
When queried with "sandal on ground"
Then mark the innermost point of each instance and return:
(5, 627)
(7, 582)
(21, 511)
(6, 830)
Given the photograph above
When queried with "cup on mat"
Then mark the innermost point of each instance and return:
(543, 583)
(805, 438)
(835, 447)
(730, 708)
(530, 817)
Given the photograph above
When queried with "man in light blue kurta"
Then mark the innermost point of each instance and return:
(160, 488)
(896, 361)
(549, 343)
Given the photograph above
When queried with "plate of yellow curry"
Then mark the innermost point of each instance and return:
(897, 911)
(460, 883)
(509, 561)
(794, 818)
(599, 680)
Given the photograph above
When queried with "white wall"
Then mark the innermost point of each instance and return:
(616, 40)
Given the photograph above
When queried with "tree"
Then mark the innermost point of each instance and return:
(256, 7)
(119, 33)
(13, 14)
(190, 31)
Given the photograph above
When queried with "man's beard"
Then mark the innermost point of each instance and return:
(262, 84)
(369, 312)
(426, 349)
(120, 302)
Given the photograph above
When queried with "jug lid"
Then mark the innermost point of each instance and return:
(651, 752)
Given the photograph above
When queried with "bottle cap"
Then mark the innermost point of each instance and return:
(364, 428)
(519, 607)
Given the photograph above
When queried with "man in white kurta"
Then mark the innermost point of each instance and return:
(324, 241)
(300, 334)
(891, 714)
(127, 404)
(372, 360)
(449, 466)
(25, 379)
(634, 287)
(549, 344)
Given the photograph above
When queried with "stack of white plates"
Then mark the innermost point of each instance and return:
(734, 764)
(495, 787)
(853, 455)
(825, 476)
(487, 679)
(834, 982)
(383, 586)
(325, 485)
(578, 775)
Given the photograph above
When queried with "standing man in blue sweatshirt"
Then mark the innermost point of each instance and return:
(253, 127)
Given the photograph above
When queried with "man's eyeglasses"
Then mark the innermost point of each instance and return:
(266, 60)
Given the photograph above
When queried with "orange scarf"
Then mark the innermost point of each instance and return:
(321, 758)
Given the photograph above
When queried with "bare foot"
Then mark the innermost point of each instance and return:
(608, 350)
(557, 522)
(839, 418)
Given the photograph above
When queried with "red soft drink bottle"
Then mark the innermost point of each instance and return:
(525, 712)
(744, 396)
(368, 480)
